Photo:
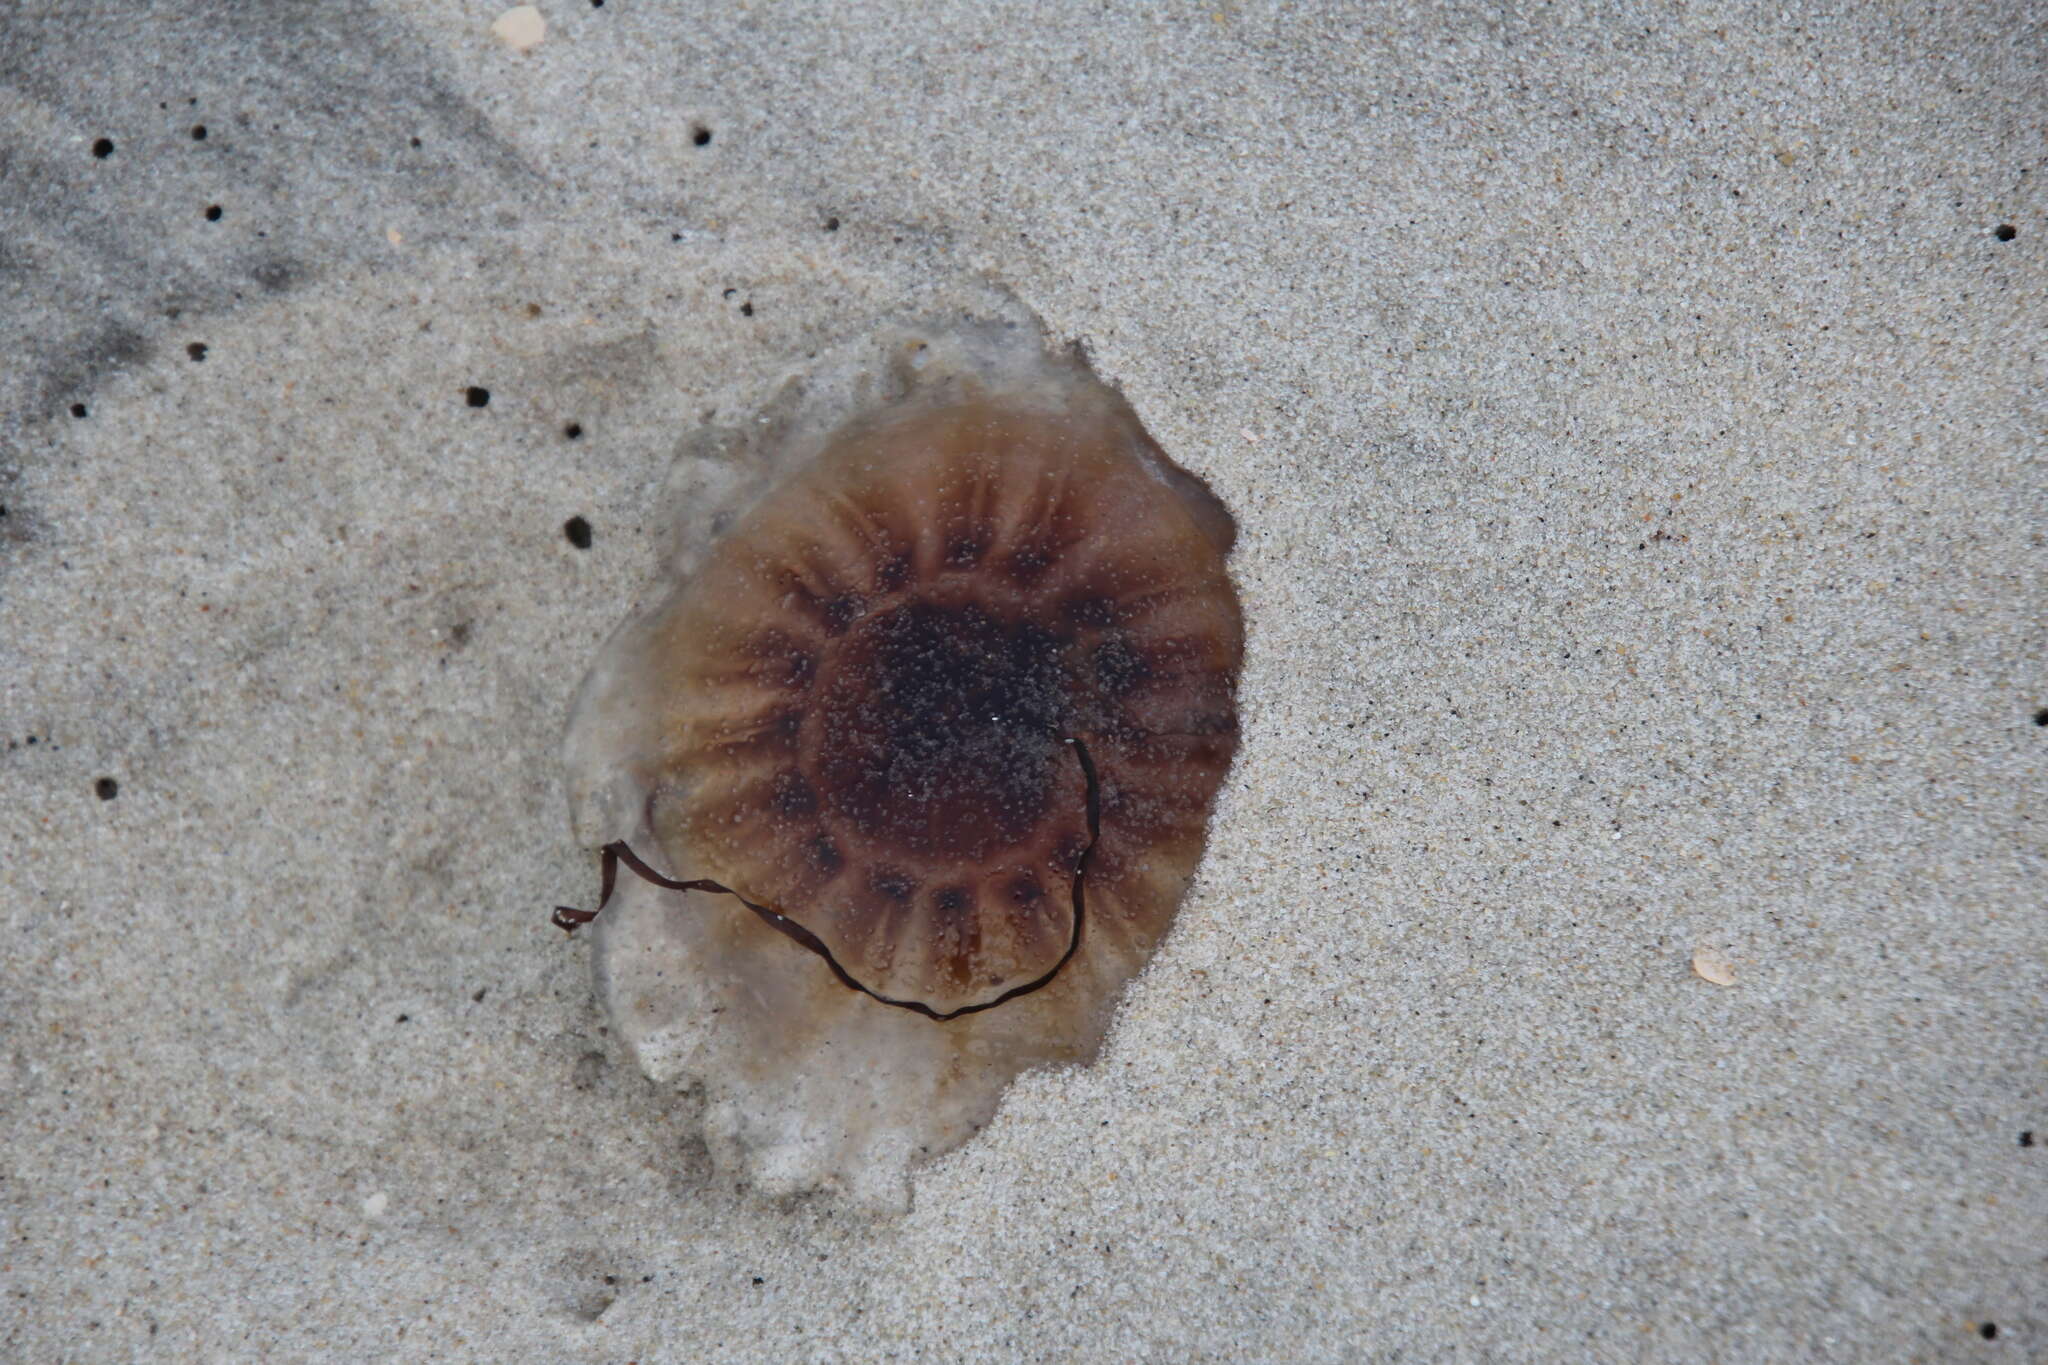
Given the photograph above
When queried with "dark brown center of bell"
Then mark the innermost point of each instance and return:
(941, 726)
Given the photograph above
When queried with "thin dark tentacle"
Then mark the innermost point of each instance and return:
(569, 919)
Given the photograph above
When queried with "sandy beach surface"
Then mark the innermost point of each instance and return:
(1622, 933)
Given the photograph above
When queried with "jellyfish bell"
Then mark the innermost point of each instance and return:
(943, 706)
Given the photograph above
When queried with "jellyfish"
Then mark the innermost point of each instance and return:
(938, 692)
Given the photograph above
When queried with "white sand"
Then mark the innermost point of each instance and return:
(1635, 425)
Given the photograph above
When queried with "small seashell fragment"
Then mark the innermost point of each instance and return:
(1710, 965)
(521, 28)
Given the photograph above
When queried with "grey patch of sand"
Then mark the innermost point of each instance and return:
(1635, 428)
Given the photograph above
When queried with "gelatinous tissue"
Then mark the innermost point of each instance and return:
(941, 629)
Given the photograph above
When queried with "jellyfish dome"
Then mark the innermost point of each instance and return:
(944, 703)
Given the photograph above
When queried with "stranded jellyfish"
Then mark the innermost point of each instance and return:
(940, 698)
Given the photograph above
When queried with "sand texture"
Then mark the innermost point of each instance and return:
(1621, 935)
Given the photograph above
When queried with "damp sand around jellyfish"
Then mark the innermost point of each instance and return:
(939, 696)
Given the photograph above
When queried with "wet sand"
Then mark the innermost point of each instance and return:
(1634, 425)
